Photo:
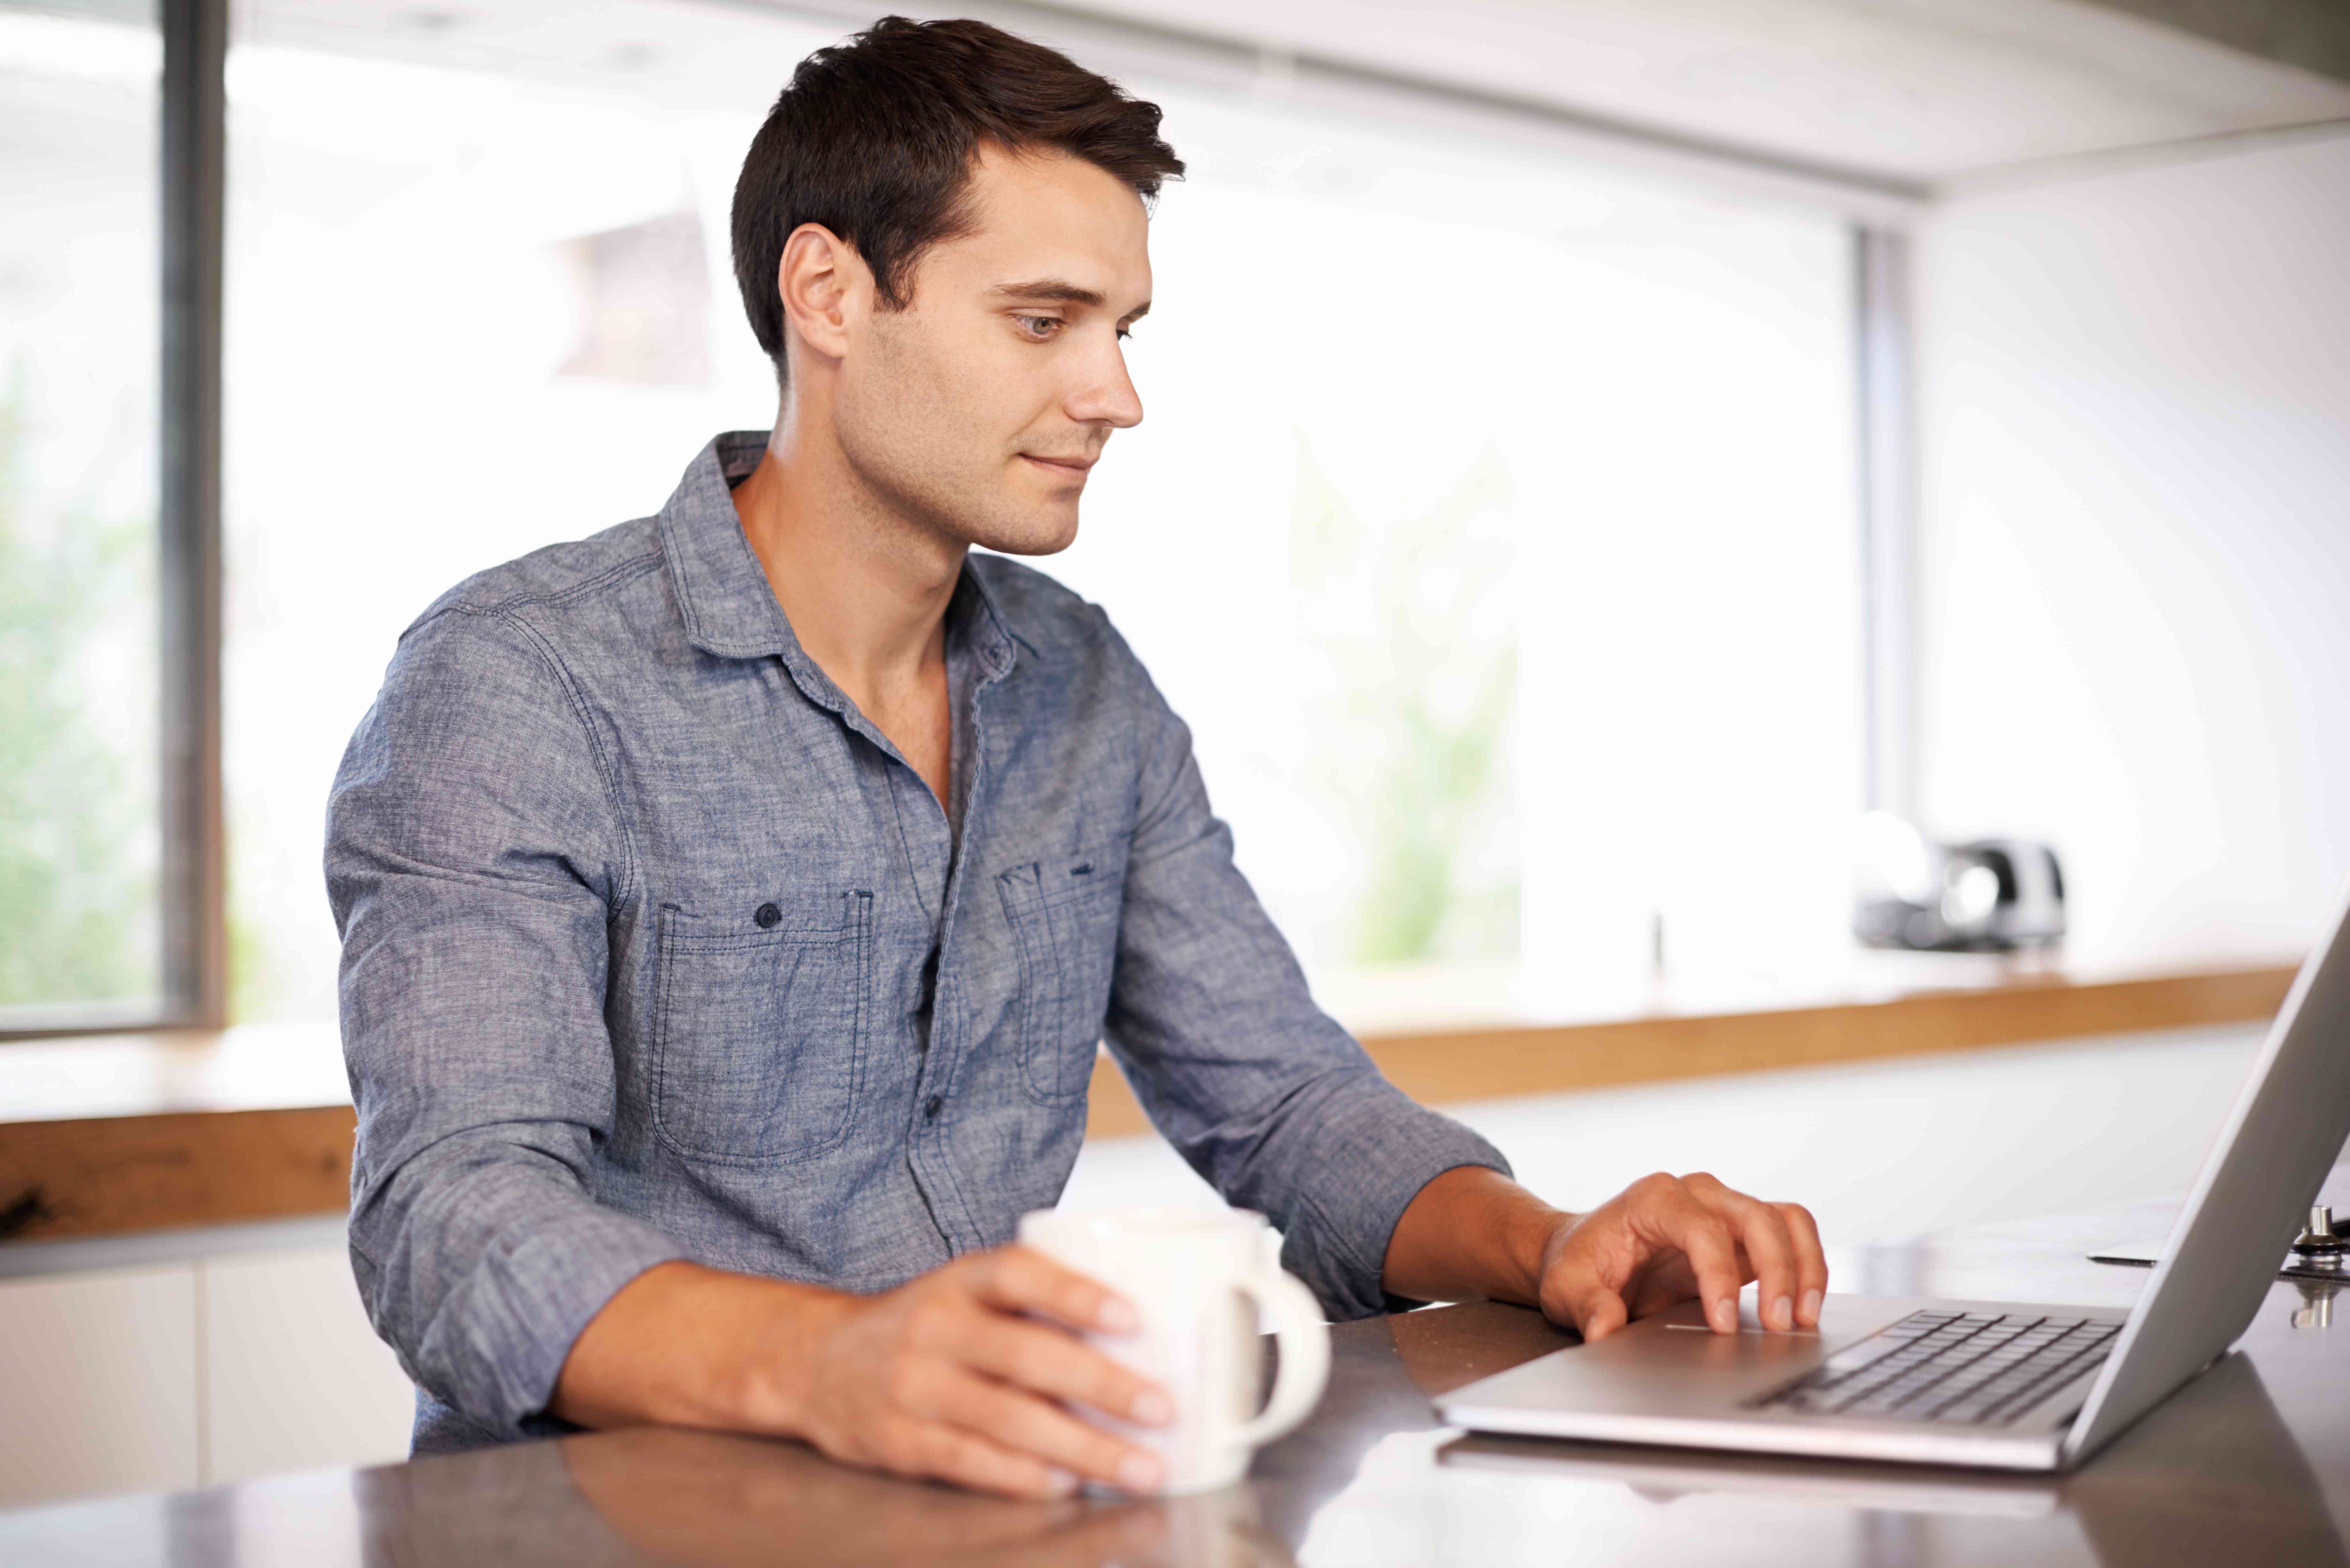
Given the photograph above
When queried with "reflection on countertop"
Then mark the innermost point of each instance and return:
(2249, 1463)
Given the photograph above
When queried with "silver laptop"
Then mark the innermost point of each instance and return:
(1992, 1385)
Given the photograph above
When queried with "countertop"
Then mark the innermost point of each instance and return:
(2249, 1464)
(123, 1135)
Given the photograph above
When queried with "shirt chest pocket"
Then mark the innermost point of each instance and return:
(1064, 916)
(761, 1028)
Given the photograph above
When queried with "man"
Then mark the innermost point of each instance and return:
(733, 902)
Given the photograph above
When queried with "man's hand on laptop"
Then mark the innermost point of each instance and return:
(963, 1374)
(1666, 1240)
(1663, 1241)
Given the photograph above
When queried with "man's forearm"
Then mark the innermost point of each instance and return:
(1470, 1234)
(685, 1346)
(972, 1372)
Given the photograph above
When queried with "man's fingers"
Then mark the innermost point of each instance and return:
(1811, 1262)
(1704, 1239)
(1598, 1314)
(1021, 1279)
(1028, 1425)
(1044, 1360)
(946, 1453)
(1666, 1239)
(1761, 1233)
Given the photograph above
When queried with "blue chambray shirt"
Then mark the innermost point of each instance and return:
(654, 948)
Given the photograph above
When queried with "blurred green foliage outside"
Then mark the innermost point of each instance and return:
(1411, 745)
(77, 823)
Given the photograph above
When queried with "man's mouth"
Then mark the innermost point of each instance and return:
(1077, 465)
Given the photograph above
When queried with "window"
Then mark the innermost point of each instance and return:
(80, 770)
(1510, 590)
(480, 300)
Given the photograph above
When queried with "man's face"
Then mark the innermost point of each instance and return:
(978, 408)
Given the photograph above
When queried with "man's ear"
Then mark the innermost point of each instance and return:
(826, 287)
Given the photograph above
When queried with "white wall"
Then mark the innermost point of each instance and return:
(1876, 1150)
(2135, 561)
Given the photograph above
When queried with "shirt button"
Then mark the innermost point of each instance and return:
(767, 916)
(932, 1107)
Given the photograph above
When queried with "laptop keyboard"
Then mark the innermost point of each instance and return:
(1968, 1368)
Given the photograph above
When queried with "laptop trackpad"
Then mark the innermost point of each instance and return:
(1672, 1362)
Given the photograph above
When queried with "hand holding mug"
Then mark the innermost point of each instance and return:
(973, 1374)
(1202, 1281)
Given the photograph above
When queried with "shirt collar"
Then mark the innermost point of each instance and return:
(723, 592)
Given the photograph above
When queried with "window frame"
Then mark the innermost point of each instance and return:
(194, 168)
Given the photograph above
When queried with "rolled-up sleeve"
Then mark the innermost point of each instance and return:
(474, 855)
(1266, 1096)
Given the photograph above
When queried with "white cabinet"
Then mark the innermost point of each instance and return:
(219, 1357)
(98, 1382)
(293, 1376)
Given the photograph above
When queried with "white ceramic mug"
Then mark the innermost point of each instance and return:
(1192, 1275)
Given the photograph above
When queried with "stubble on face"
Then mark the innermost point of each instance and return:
(915, 431)
(941, 415)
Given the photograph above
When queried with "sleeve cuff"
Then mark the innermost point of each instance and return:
(1341, 1251)
(503, 1335)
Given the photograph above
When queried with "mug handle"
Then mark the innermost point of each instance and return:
(1304, 1341)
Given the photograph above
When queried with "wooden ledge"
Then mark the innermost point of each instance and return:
(158, 1132)
(110, 1176)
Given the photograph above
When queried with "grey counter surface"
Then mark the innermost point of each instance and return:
(2249, 1464)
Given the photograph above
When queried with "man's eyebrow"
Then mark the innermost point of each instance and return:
(1048, 289)
(1057, 290)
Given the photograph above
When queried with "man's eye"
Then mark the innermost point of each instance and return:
(1040, 326)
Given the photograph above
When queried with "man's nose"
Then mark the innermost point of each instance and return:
(1107, 395)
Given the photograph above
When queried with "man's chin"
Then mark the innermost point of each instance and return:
(1035, 535)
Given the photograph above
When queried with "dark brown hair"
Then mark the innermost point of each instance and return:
(874, 139)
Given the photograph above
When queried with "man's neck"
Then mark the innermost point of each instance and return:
(864, 589)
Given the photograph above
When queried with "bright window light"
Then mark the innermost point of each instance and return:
(1491, 523)
(81, 768)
